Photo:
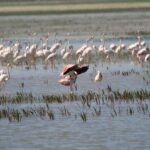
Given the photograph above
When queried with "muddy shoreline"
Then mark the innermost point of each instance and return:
(112, 24)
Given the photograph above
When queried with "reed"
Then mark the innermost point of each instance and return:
(65, 112)
(106, 97)
(86, 98)
(50, 114)
(97, 111)
(83, 116)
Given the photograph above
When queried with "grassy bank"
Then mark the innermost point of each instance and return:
(71, 8)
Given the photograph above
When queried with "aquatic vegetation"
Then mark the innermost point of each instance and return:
(97, 111)
(51, 115)
(86, 98)
(109, 98)
(64, 111)
(83, 116)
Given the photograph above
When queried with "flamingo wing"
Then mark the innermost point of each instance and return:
(69, 67)
(82, 69)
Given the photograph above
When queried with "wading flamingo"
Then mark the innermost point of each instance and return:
(98, 77)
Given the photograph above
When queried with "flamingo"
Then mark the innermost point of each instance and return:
(142, 53)
(120, 47)
(63, 51)
(102, 46)
(2, 71)
(39, 54)
(68, 54)
(80, 60)
(81, 49)
(19, 59)
(137, 45)
(112, 46)
(98, 77)
(43, 50)
(147, 58)
(31, 53)
(6, 53)
(109, 53)
(4, 76)
(1, 46)
(87, 51)
(55, 47)
(51, 57)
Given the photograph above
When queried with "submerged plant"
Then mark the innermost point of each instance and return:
(50, 114)
(83, 116)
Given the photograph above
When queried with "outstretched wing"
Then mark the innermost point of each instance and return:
(82, 69)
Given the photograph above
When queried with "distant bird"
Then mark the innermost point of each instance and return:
(81, 49)
(2, 71)
(4, 76)
(85, 46)
(109, 53)
(66, 46)
(66, 56)
(30, 53)
(80, 60)
(147, 58)
(67, 53)
(112, 46)
(1, 46)
(55, 47)
(143, 51)
(98, 77)
(51, 58)
(121, 47)
(19, 59)
(142, 54)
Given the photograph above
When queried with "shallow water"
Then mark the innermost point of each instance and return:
(66, 133)
(103, 132)
(40, 81)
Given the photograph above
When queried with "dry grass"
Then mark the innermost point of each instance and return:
(71, 8)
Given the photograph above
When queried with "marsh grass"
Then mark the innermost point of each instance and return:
(83, 116)
(86, 98)
(107, 97)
